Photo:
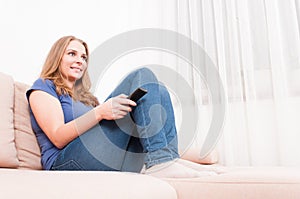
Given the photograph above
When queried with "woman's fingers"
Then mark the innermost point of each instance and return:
(120, 106)
(119, 114)
(122, 99)
(122, 96)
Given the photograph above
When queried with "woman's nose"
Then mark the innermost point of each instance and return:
(79, 60)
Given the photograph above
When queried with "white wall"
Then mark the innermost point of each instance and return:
(29, 28)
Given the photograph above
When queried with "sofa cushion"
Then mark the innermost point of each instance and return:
(16, 183)
(8, 153)
(239, 182)
(26, 143)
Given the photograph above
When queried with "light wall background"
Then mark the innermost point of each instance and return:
(29, 28)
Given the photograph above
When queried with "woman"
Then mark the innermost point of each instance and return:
(75, 132)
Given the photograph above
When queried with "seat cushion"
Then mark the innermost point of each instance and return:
(236, 183)
(8, 153)
(17, 183)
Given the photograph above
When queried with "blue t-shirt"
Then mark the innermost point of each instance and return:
(71, 109)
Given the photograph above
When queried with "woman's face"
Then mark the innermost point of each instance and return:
(73, 63)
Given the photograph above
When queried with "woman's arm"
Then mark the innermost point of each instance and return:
(49, 116)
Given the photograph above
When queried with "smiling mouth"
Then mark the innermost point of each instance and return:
(76, 68)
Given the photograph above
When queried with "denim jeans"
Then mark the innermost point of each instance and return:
(147, 135)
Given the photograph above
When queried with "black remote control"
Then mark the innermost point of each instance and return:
(137, 94)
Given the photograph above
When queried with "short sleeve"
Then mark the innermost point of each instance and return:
(43, 85)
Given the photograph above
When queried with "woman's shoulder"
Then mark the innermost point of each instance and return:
(45, 85)
(43, 82)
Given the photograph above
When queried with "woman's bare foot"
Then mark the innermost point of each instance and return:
(174, 169)
(201, 167)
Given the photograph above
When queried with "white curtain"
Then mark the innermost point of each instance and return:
(256, 47)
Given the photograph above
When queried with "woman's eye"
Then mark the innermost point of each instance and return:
(84, 58)
(71, 53)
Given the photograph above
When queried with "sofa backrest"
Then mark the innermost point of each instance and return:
(8, 152)
(18, 144)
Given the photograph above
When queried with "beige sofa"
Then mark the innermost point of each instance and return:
(21, 175)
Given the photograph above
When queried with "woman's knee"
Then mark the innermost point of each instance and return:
(146, 75)
(145, 71)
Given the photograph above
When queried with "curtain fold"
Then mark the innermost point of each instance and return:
(255, 46)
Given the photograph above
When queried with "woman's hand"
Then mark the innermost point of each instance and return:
(114, 108)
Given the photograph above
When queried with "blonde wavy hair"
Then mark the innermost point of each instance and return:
(51, 71)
